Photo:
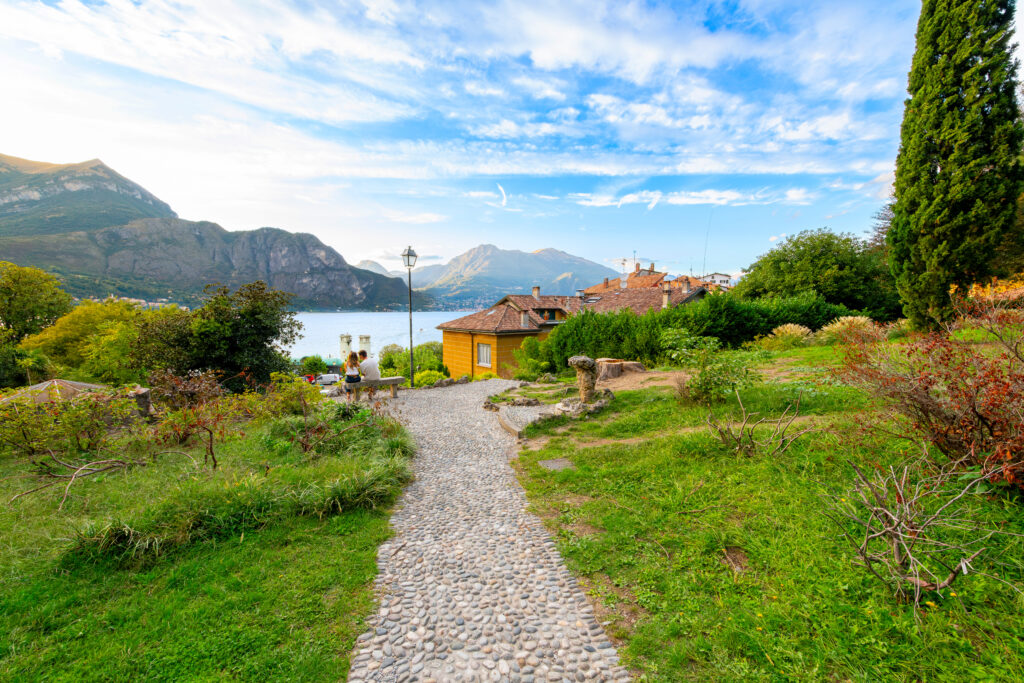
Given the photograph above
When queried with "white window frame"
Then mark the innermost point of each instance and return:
(479, 359)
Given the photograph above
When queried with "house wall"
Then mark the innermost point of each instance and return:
(460, 352)
(457, 353)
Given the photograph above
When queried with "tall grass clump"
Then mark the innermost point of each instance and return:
(208, 509)
(845, 328)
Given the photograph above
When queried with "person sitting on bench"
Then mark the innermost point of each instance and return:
(368, 366)
(351, 374)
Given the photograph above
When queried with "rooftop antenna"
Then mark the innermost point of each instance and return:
(622, 264)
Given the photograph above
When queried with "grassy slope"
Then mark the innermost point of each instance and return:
(280, 601)
(655, 525)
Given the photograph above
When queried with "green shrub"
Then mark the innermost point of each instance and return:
(532, 359)
(716, 375)
(428, 377)
(83, 424)
(623, 334)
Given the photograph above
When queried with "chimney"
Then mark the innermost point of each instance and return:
(636, 268)
(652, 267)
(666, 290)
(580, 293)
(606, 282)
(524, 319)
(536, 292)
(686, 283)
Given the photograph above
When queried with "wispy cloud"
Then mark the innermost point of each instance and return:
(415, 218)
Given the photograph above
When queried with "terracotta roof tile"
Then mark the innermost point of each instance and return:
(639, 300)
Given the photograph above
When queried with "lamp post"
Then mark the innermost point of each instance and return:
(409, 259)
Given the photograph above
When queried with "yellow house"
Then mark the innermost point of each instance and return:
(483, 342)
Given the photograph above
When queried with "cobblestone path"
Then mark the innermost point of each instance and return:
(471, 587)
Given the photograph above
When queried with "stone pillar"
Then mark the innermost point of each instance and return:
(586, 376)
(364, 343)
(346, 346)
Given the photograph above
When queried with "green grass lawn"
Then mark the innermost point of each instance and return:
(711, 566)
(275, 587)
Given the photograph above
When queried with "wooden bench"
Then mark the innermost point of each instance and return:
(392, 382)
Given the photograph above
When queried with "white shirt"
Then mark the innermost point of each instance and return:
(369, 369)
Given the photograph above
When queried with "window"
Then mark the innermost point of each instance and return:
(483, 355)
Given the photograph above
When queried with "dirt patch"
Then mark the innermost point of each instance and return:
(582, 529)
(735, 558)
(575, 499)
(619, 618)
(640, 380)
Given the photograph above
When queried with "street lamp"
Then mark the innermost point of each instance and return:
(409, 259)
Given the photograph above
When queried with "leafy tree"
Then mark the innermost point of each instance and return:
(65, 341)
(958, 175)
(841, 268)
(164, 341)
(242, 332)
(312, 365)
(30, 300)
(107, 353)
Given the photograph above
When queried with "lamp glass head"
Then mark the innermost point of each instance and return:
(409, 257)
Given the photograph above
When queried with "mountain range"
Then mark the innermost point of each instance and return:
(104, 234)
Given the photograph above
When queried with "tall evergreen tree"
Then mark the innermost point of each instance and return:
(958, 175)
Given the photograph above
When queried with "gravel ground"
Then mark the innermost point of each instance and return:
(471, 587)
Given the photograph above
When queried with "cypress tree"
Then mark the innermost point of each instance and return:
(957, 174)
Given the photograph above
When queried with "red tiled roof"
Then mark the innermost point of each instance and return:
(506, 316)
(642, 278)
(639, 300)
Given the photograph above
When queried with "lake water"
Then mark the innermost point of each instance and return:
(321, 330)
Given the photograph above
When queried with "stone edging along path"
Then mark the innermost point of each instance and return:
(471, 587)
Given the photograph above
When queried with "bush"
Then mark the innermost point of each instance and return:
(731, 320)
(83, 424)
(531, 360)
(183, 391)
(965, 402)
(716, 375)
(845, 329)
(428, 377)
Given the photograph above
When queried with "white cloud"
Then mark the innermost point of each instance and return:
(414, 218)
(541, 89)
(476, 88)
(480, 195)
(694, 198)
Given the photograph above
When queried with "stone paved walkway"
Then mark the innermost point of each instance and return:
(471, 586)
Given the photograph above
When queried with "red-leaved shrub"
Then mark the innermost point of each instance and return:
(966, 399)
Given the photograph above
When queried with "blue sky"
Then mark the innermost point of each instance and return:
(689, 133)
